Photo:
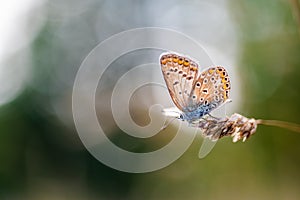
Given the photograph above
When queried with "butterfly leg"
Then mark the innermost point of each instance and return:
(216, 118)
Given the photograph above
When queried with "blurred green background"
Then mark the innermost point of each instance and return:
(43, 45)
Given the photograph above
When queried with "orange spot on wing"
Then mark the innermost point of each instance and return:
(186, 63)
(193, 68)
(226, 86)
(164, 61)
(211, 71)
(225, 96)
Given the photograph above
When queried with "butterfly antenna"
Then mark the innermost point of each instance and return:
(167, 124)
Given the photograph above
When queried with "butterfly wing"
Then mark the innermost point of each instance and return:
(212, 87)
(180, 74)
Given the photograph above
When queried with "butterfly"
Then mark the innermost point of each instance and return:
(195, 94)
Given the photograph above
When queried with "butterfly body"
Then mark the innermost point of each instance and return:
(197, 113)
(195, 95)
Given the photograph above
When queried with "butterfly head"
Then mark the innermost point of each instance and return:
(181, 117)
